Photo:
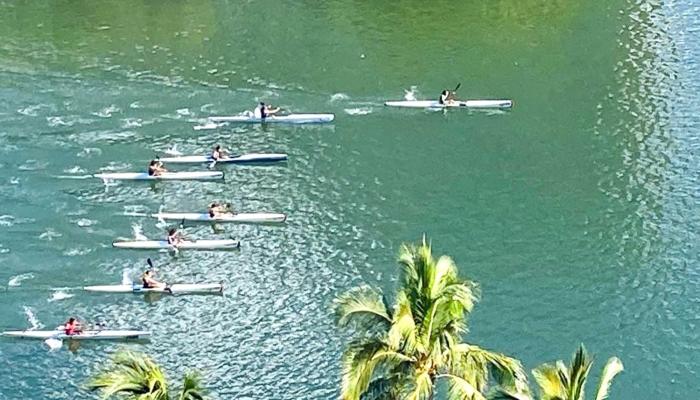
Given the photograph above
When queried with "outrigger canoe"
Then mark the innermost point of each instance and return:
(276, 119)
(84, 335)
(219, 244)
(240, 159)
(166, 176)
(238, 217)
(176, 288)
(453, 104)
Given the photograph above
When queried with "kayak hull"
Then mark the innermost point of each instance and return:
(177, 288)
(255, 218)
(280, 119)
(223, 244)
(241, 159)
(167, 176)
(85, 335)
(455, 104)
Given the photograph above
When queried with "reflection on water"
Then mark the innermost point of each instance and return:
(649, 124)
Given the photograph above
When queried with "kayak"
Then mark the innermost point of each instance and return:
(241, 159)
(166, 176)
(239, 217)
(279, 119)
(222, 244)
(84, 335)
(455, 104)
(177, 288)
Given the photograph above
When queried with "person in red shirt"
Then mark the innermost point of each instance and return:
(72, 327)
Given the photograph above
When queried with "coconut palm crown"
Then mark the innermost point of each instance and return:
(403, 352)
(135, 376)
(561, 382)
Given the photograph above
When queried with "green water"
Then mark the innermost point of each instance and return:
(577, 211)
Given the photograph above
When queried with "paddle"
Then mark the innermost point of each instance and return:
(452, 97)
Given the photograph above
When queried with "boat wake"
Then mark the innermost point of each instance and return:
(17, 279)
(34, 323)
(59, 295)
(79, 177)
(7, 220)
(338, 97)
(206, 125)
(138, 232)
(358, 111)
(173, 151)
(126, 277)
(411, 93)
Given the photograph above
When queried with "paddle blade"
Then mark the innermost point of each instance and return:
(457, 87)
(212, 165)
(150, 263)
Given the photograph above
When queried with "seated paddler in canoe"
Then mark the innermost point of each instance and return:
(174, 237)
(149, 282)
(72, 327)
(155, 168)
(447, 97)
(263, 111)
(218, 153)
(219, 209)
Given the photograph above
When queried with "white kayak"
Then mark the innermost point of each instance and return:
(240, 159)
(85, 335)
(454, 104)
(279, 119)
(166, 176)
(222, 244)
(239, 217)
(176, 288)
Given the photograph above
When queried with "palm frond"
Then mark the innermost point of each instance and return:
(359, 364)
(507, 394)
(420, 387)
(612, 368)
(131, 374)
(445, 273)
(384, 388)
(549, 380)
(402, 334)
(578, 373)
(362, 306)
(475, 364)
(192, 388)
(460, 389)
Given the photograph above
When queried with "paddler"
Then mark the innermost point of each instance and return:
(216, 209)
(156, 168)
(174, 238)
(218, 153)
(72, 327)
(446, 97)
(149, 282)
(262, 111)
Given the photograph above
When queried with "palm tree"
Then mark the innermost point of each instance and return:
(402, 352)
(135, 376)
(559, 382)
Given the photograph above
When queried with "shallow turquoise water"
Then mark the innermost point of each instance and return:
(577, 211)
